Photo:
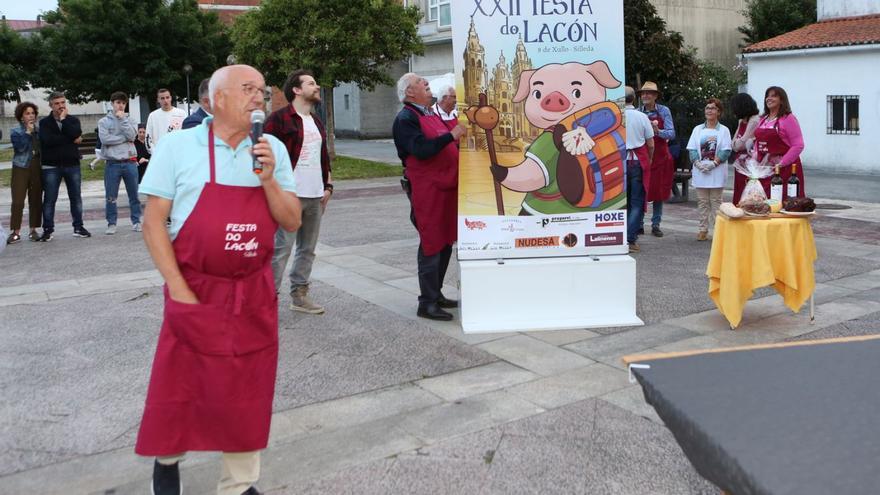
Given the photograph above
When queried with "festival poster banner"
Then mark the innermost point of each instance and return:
(540, 87)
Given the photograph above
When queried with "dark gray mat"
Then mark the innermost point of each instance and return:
(797, 420)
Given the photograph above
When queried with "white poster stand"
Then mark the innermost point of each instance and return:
(548, 293)
(542, 177)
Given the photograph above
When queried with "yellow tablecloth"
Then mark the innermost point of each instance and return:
(748, 254)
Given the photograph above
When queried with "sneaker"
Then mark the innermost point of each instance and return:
(81, 232)
(656, 232)
(301, 302)
(136, 227)
(13, 238)
(34, 236)
(46, 237)
(702, 236)
(111, 229)
(166, 479)
(634, 248)
(252, 491)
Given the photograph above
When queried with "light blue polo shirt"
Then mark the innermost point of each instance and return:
(180, 168)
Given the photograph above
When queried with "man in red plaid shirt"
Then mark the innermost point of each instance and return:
(306, 140)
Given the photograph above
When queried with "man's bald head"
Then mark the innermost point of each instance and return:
(235, 92)
(232, 75)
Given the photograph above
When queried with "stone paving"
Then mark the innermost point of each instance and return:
(369, 398)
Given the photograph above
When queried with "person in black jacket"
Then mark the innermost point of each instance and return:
(60, 135)
(204, 105)
(143, 156)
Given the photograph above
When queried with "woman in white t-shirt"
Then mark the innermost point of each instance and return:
(708, 148)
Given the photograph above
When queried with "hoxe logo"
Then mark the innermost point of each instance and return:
(610, 218)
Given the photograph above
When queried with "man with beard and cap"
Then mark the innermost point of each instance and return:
(213, 377)
(427, 148)
(303, 134)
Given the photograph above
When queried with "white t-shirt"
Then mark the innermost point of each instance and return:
(638, 128)
(707, 142)
(307, 168)
(160, 123)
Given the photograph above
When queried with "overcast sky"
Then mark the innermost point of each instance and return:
(26, 9)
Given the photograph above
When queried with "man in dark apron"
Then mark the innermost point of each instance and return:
(659, 177)
(427, 148)
(213, 377)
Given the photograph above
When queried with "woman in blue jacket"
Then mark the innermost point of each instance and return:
(25, 173)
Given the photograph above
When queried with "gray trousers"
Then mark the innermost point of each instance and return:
(306, 238)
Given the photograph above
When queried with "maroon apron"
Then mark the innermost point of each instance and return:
(659, 176)
(213, 377)
(434, 183)
(739, 179)
(769, 142)
(644, 158)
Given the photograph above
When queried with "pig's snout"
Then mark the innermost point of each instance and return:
(555, 102)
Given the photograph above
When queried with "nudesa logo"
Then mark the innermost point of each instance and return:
(532, 242)
(475, 225)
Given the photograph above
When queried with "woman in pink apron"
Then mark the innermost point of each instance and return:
(779, 135)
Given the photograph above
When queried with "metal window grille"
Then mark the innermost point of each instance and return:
(843, 114)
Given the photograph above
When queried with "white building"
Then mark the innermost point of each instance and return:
(831, 72)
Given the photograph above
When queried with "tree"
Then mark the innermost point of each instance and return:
(95, 47)
(766, 19)
(653, 53)
(338, 40)
(18, 59)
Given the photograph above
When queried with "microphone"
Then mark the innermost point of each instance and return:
(257, 119)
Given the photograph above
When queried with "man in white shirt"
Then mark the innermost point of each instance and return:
(163, 120)
(639, 149)
(304, 137)
(445, 106)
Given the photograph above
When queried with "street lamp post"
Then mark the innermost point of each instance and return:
(186, 70)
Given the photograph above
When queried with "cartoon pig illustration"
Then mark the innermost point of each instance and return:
(576, 164)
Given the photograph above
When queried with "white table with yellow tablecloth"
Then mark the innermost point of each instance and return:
(752, 253)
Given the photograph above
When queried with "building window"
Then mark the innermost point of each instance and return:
(440, 11)
(843, 114)
(347, 102)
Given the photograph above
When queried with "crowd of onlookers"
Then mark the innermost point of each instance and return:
(47, 151)
(772, 137)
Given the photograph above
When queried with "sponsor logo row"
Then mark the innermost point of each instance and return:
(600, 219)
(569, 240)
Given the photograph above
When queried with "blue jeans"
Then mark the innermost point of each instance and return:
(51, 184)
(656, 213)
(635, 200)
(128, 172)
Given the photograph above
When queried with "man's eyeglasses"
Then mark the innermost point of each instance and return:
(250, 90)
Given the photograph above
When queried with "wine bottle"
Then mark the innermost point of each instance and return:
(793, 183)
(776, 186)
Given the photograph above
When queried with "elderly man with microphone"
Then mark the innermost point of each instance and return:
(213, 377)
